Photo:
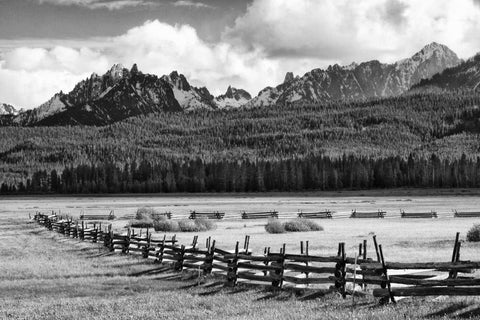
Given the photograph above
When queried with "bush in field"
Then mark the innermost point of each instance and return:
(197, 225)
(275, 226)
(312, 225)
(296, 225)
(141, 223)
(187, 225)
(145, 213)
(473, 234)
(205, 224)
(184, 225)
(166, 225)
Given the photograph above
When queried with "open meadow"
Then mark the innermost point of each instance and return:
(45, 275)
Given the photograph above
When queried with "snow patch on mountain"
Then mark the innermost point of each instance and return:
(233, 98)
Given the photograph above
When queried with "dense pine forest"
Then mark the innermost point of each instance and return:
(415, 140)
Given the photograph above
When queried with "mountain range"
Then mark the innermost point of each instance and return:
(121, 93)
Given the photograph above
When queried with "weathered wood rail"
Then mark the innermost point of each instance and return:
(471, 214)
(206, 215)
(418, 215)
(110, 216)
(339, 273)
(367, 214)
(260, 215)
(327, 214)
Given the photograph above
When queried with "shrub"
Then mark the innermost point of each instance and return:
(187, 225)
(297, 225)
(274, 226)
(141, 223)
(312, 225)
(145, 213)
(473, 234)
(166, 225)
(205, 224)
(184, 225)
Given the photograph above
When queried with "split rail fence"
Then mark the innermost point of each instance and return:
(329, 273)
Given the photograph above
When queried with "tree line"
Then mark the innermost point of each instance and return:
(295, 174)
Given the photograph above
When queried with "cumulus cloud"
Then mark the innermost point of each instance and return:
(271, 38)
(355, 30)
(188, 3)
(158, 48)
(101, 4)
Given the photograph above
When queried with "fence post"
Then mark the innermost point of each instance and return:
(344, 270)
(376, 247)
(179, 263)
(146, 248)
(456, 247)
(232, 269)
(209, 259)
(385, 272)
(110, 242)
(82, 234)
(126, 243)
(161, 248)
(279, 273)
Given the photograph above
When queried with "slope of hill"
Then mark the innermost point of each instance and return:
(359, 81)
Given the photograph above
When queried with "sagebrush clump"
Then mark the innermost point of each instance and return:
(184, 225)
(275, 226)
(473, 235)
(296, 225)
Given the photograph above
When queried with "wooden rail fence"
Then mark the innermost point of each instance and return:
(337, 273)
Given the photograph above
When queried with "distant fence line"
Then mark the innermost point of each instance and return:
(334, 273)
(324, 214)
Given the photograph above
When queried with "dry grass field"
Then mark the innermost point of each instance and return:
(45, 276)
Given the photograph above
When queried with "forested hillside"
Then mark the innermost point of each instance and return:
(269, 146)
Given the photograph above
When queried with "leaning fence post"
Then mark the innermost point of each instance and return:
(385, 272)
(376, 247)
(453, 274)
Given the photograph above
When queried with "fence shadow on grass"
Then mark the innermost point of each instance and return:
(448, 311)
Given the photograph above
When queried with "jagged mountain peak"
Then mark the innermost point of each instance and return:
(359, 81)
(178, 80)
(117, 71)
(288, 77)
(233, 98)
(432, 49)
(464, 76)
(99, 100)
(134, 69)
(188, 96)
(8, 109)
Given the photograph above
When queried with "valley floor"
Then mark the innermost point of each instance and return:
(46, 276)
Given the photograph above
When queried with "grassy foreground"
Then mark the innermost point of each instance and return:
(46, 276)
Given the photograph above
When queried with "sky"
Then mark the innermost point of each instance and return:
(47, 46)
